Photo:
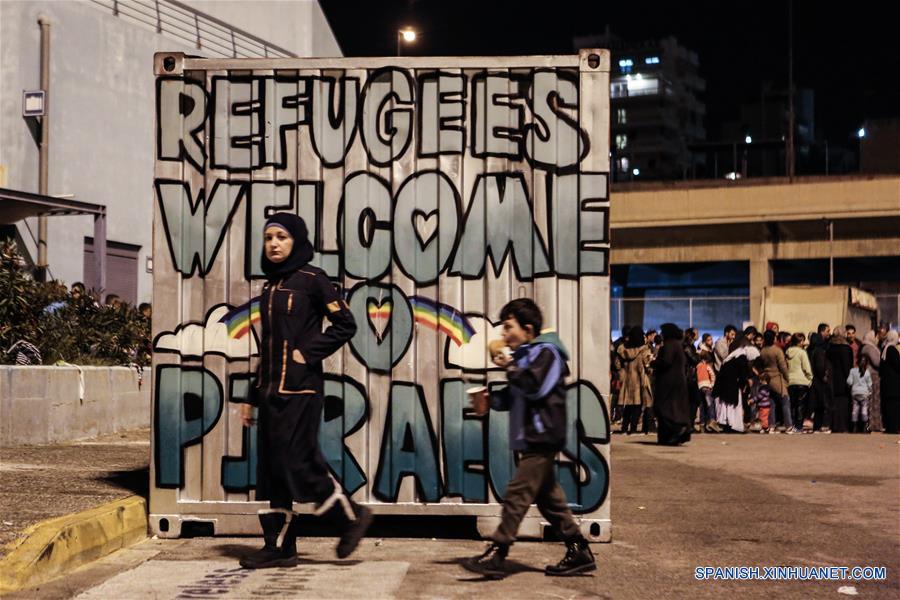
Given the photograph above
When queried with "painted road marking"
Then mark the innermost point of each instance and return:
(204, 579)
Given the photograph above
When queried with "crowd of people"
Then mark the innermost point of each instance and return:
(674, 384)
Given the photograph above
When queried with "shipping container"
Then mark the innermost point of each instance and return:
(800, 308)
(436, 190)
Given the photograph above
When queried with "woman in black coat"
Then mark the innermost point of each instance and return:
(670, 398)
(289, 394)
(840, 355)
(818, 405)
(889, 372)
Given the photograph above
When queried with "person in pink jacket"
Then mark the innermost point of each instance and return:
(706, 379)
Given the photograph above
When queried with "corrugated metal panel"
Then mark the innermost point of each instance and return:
(459, 183)
(121, 269)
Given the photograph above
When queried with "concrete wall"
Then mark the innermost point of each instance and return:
(42, 405)
(101, 107)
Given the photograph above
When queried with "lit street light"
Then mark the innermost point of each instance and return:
(407, 35)
(860, 135)
(748, 140)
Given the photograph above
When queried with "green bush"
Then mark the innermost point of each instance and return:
(63, 326)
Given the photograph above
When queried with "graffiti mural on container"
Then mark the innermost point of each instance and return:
(404, 238)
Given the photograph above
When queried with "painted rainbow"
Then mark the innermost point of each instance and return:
(239, 320)
(379, 312)
(441, 317)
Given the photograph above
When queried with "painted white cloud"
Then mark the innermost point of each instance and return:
(212, 338)
(474, 355)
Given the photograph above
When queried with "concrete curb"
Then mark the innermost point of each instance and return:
(56, 546)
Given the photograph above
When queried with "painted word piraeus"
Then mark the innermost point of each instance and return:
(435, 191)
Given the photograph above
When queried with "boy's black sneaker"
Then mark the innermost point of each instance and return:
(578, 559)
(491, 564)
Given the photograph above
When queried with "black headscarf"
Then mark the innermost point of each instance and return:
(671, 331)
(301, 253)
(635, 338)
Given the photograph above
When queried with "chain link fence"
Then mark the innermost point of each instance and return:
(709, 314)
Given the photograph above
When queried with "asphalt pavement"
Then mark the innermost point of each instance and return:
(721, 501)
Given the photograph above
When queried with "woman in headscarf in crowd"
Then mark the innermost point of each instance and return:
(776, 370)
(670, 395)
(799, 378)
(840, 356)
(635, 395)
(819, 405)
(289, 394)
(889, 372)
(870, 350)
(732, 385)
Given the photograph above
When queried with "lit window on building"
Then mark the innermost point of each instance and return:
(621, 117)
(623, 165)
(643, 86)
(621, 141)
(651, 60)
(619, 89)
(625, 65)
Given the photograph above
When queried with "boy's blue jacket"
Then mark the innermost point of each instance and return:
(536, 395)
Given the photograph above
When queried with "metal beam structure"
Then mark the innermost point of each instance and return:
(16, 205)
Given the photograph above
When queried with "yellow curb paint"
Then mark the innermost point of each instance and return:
(54, 547)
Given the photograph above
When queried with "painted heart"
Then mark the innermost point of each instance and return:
(425, 225)
(379, 316)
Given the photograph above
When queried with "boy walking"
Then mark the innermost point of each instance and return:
(536, 400)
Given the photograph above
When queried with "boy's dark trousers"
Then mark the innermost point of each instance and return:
(534, 481)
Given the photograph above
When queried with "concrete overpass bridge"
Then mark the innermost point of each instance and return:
(760, 222)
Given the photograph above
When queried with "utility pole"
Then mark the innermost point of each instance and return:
(44, 156)
(790, 134)
(831, 252)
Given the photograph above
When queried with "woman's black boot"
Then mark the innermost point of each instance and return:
(279, 549)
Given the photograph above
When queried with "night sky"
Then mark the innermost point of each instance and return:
(851, 59)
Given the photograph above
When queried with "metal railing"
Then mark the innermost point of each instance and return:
(205, 32)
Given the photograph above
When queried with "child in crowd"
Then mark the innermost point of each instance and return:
(706, 379)
(860, 382)
(762, 399)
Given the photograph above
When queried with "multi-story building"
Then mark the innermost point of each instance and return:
(656, 110)
(101, 113)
